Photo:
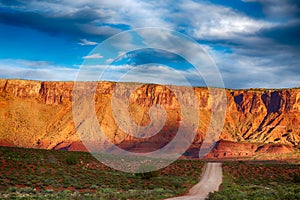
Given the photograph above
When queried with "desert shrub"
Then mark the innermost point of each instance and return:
(93, 187)
(216, 196)
(296, 178)
(12, 189)
(232, 194)
(71, 159)
(147, 171)
(47, 191)
(28, 190)
(176, 183)
(291, 192)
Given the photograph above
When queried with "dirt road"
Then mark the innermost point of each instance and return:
(210, 181)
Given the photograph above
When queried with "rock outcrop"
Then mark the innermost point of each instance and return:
(230, 149)
(39, 115)
(225, 149)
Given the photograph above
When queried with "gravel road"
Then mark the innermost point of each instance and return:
(210, 181)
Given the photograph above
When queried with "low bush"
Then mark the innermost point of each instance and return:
(28, 190)
(71, 159)
(12, 189)
(296, 178)
(147, 171)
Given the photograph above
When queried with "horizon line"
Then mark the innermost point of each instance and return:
(195, 86)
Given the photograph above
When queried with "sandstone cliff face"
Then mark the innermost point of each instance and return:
(264, 116)
(39, 114)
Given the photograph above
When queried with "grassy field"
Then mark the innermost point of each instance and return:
(43, 174)
(259, 180)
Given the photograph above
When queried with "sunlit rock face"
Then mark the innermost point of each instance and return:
(39, 115)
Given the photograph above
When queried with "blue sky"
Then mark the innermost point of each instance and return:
(254, 43)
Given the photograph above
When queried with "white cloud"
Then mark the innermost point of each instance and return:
(26, 69)
(208, 21)
(150, 73)
(109, 60)
(29, 63)
(98, 30)
(244, 72)
(84, 42)
(205, 21)
(132, 12)
(202, 20)
(249, 71)
(93, 56)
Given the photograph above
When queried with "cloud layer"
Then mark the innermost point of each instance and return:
(258, 48)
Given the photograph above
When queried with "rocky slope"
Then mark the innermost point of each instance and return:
(39, 114)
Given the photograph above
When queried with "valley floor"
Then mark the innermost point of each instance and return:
(48, 174)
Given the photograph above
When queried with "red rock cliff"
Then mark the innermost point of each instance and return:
(39, 114)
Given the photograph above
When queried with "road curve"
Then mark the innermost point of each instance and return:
(210, 181)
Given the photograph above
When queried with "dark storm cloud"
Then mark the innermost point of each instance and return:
(71, 25)
(279, 8)
(286, 34)
(11, 2)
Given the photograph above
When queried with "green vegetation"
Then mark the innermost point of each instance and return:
(147, 171)
(71, 159)
(296, 178)
(250, 180)
(43, 174)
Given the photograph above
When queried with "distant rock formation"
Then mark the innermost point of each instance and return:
(39, 115)
(229, 149)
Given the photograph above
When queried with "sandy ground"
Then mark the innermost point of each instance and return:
(210, 181)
